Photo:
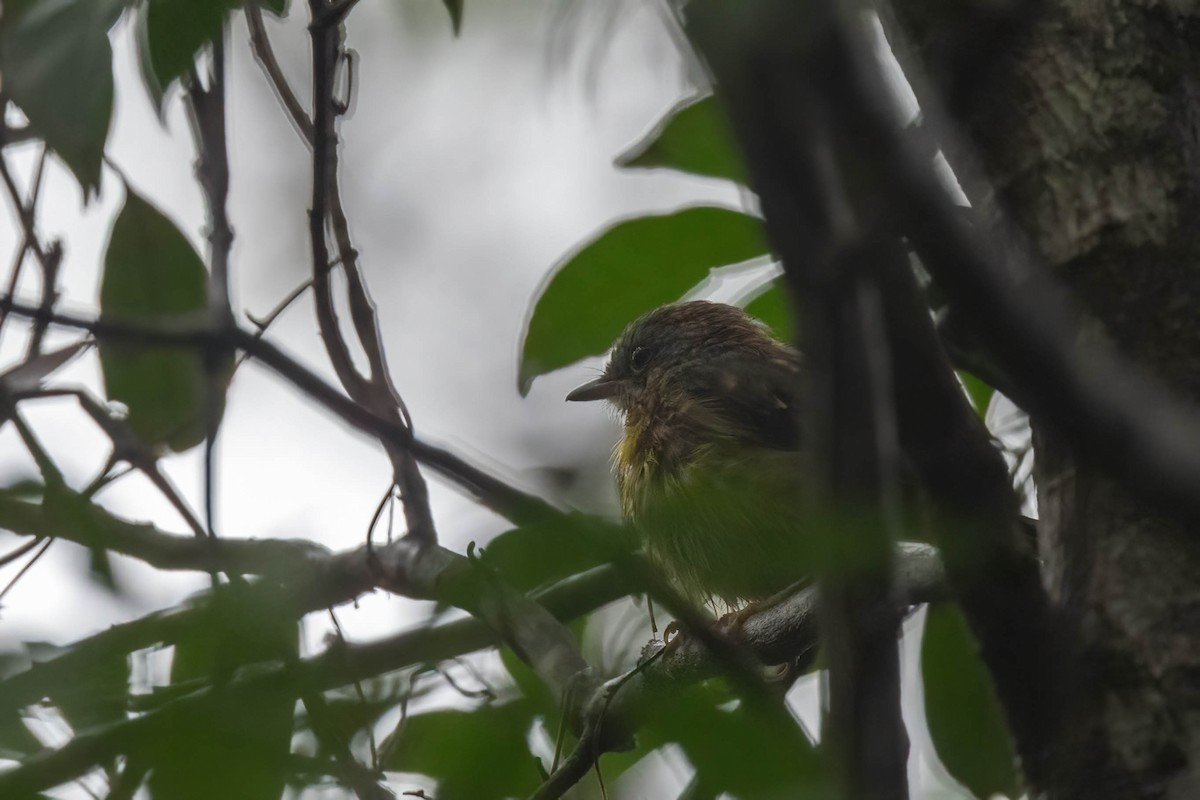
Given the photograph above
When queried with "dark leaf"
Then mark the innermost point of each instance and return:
(57, 66)
(100, 570)
(964, 717)
(735, 751)
(15, 739)
(237, 745)
(532, 688)
(170, 34)
(344, 718)
(94, 696)
(693, 137)
(455, 7)
(474, 755)
(626, 270)
(535, 555)
(152, 274)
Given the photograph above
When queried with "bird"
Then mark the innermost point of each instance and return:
(709, 465)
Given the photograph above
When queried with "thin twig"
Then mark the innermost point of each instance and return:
(28, 565)
(508, 501)
(14, 275)
(128, 447)
(358, 690)
(376, 390)
(262, 323)
(16, 553)
(363, 782)
(48, 257)
(207, 107)
(260, 44)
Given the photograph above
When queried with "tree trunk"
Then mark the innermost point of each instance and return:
(1088, 125)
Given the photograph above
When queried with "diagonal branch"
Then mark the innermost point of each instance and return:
(260, 45)
(29, 211)
(775, 634)
(48, 257)
(506, 500)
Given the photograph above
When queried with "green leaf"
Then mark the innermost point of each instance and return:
(693, 137)
(474, 755)
(964, 717)
(57, 66)
(236, 745)
(16, 741)
(100, 570)
(626, 270)
(772, 308)
(93, 696)
(735, 750)
(171, 33)
(535, 555)
(455, 7)
(979, 392)
(152, 274)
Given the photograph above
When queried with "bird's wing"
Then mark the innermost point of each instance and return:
(759, 396)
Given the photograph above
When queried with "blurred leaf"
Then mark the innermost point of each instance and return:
(91, 697)
(964, 717)
(735, 751)
(630, 268)
(979, 392)
(344, 718)
(170, 33)
(100, 570)
(455, 7)
(15, 739)
(474, 755)
(692, 137)
(773, 308)
(535, 555)
(276, 7)
(57, 66)
(152, 274)
(236, 745)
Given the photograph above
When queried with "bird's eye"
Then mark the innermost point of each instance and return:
(639, 358)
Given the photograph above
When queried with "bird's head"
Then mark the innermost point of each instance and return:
(669, 358)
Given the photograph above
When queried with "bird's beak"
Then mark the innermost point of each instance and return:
(603, 388)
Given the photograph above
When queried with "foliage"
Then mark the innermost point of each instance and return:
(227, 741)
(151, 273)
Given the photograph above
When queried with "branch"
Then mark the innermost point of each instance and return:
(507, 501)
(260, 44)
(27, 211)
(48, 258)
(1111, 412)
(995, 575)
(782, 633)
(325, 46)
(831, 241)
(375, 392)
(775, 634)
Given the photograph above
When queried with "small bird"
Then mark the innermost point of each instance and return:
(708, 466)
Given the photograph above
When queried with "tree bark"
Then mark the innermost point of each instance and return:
(1087, 123)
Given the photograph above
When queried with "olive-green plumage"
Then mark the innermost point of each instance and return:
(708, 465)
